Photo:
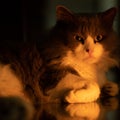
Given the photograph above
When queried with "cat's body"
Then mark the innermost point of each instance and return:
(78, 55)
(70, 65)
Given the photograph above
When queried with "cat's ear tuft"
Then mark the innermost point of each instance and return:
(109, 15)
(63, 14)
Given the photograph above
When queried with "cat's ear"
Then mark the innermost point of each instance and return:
(63, 14)
(109, 15)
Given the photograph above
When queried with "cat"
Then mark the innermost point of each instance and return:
(69, 65)
(80, 50)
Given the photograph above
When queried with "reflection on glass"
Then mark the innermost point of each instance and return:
(90, 111)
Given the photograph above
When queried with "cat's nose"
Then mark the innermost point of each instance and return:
(87, 50)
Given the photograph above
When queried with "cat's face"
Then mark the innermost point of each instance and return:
(89, 50)
(89, 36)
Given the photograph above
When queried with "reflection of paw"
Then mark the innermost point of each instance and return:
(111, 103)
(90, 110)
(110, 89)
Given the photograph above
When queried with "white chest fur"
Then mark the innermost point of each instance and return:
(86, 71)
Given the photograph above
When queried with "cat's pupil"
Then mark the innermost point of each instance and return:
(79, 38)
(98, 38)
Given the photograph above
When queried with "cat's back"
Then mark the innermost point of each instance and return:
(10, 84)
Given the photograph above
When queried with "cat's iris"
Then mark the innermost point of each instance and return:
(79, 38)
(98, 38)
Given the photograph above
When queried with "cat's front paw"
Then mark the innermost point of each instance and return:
(71, 97)
(110, 89)
(88, 93)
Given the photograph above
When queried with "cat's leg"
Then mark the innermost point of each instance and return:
(74, 89)
(110, 89)
(88, 93)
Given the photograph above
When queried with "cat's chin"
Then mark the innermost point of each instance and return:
(90, 59)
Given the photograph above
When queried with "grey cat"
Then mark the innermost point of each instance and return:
(69, 65)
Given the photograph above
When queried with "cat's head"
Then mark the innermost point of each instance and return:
(88, 36)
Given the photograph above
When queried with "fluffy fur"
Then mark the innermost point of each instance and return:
(69, 65)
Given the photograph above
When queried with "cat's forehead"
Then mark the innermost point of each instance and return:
(88, 23)
(88, 18)
(65, 15)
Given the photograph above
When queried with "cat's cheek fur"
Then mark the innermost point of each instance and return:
(98, 51)
(74, 89)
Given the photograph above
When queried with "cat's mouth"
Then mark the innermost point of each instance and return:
(93, 57)
(90, 59)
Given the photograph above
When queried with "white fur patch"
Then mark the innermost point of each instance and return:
(86, 70)
(10, 84)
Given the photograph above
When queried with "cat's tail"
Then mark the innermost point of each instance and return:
(14, 108)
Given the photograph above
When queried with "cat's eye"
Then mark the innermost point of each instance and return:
(98, 38)
(79, 38)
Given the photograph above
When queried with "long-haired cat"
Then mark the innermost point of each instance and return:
(69, 65)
